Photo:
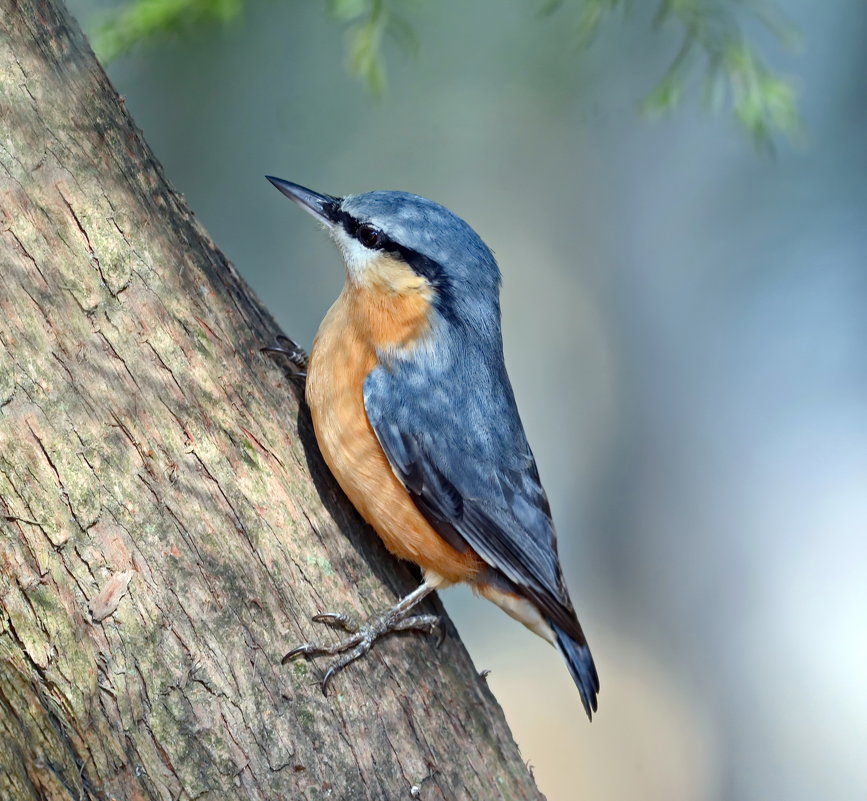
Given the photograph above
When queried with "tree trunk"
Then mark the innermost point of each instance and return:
(168, 525)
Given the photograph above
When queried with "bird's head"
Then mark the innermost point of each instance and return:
(400, 245)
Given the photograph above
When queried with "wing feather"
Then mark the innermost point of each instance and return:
(467, 465)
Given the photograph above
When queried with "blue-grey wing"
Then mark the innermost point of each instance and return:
(458, 446)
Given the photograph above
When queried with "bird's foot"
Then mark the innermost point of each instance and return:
(292, 351)
(361, 637)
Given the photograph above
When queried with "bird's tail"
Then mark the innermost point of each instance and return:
(581, 667)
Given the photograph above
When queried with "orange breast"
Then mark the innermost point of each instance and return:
(343, 354)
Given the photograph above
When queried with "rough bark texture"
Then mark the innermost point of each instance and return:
(167, 525)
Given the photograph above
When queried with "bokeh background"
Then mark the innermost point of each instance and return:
(685, 325)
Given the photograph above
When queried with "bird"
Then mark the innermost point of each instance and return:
(415, 416)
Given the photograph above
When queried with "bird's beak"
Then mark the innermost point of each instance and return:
(323, 207)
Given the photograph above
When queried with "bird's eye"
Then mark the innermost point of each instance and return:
(369, 236)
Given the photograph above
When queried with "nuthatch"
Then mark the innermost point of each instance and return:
(414, 414)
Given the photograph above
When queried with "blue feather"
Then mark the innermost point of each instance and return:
(581, 666)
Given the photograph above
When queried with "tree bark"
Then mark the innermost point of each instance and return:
(168, 525)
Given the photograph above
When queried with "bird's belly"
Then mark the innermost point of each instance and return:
(335, 387)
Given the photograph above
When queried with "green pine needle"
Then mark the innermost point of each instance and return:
(734, 75)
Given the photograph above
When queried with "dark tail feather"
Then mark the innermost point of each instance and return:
(581, 667)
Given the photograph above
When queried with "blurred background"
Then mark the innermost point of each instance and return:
(685, 323)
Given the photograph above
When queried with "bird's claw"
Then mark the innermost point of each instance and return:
(361, 639)
(292, 351)
(426, 624)
(337, 620)
(307, 649)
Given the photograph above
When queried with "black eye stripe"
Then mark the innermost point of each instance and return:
(420, 264)
(346, 221)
